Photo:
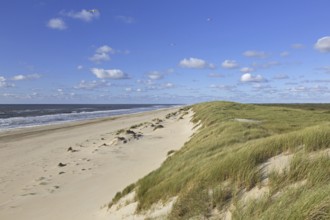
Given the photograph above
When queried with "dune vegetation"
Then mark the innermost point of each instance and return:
(226, 169)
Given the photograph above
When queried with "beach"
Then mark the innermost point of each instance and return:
(73, 170)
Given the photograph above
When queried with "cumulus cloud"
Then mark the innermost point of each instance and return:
(26, 77)
(100, 57)
(246, 69)
(102, 54)
(323, 44)
(84, 15)
(248, 77)
(155, 75)
(105, 49)
(80, 67)
(230, 64)
(4, 83)
(195, 63)
(56, 23)
(254, 53)
(91, 85)
(109, 74)
(125, 19)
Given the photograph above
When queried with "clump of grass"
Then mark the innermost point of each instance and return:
(225, 150)
(157, 120)
(297, 203)
(119, 195)
(303, 167)
(120, 131)
(138, 125)
(170, 115)
(158, 127)
(170, 152)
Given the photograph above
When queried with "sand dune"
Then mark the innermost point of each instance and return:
(70, 171)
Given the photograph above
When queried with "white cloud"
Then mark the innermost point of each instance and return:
(246, 69)
(91, 85)
(125, 19)
(195, 63)
(297, 46)
(56, 23)
(128, 89)
(308, 90)
(109, 74)
(102, 54)
(83, 15)
(99, 57)
(259, 86)
(80, 67)
(26, 77)
(4, 83)
(299, 89)
(105, 49)
(248, 77)
(323, 44)
(254, 53)
(168, 85)
(155, 75)
(230, 64)
(19, 77)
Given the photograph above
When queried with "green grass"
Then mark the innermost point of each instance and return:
(224, 158)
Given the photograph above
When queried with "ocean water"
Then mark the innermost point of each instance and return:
(21, 116)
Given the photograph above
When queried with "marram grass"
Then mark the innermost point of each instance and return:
(224, 158)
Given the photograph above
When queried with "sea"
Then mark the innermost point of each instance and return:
(26, 115)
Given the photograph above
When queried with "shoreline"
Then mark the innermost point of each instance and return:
(26, 131)
(113, 114)
(69, 171)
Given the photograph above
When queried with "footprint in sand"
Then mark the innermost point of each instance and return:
(53, 189)
(42, 181)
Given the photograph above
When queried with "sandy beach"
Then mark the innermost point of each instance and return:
(70, 171)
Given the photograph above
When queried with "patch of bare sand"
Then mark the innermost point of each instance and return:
(125, 209)
(69, 171)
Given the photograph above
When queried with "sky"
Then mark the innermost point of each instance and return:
(157, 51)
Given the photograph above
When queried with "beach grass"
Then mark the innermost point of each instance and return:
(224, 157)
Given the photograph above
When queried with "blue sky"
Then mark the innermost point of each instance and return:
(157, 51)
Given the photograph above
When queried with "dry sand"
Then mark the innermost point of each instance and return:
(40, 179)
